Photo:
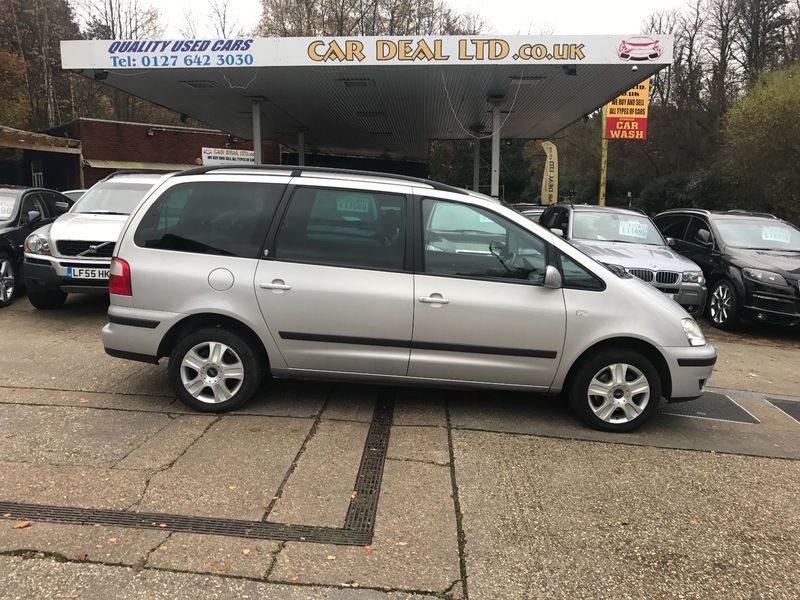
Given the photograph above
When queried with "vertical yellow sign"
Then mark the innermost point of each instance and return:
(550, 177)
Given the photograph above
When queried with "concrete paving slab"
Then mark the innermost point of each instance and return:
(42, 578)
(427, 444)
(232, 471)
(119, 545)
(82, 487)
(773, 372)
(215, 554)
(151, 380)
(415, 543)
(509, 412)
(282, 398)
(351, 403)
(163, 448)
(73, 436)
(319, 490)
(548, 518)
(49, 397)
(419, 406)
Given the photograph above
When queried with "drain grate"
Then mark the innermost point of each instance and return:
(357, 531)
(789, 407)
(718, 407)
(184, 524)
(364, 506)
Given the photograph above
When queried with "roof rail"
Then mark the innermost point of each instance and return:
(697, 210)
(299, 171)
(738, 211)
(138, 172)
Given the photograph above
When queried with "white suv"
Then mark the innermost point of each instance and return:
(236, 273)
(73, 253)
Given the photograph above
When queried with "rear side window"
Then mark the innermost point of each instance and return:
(347, 228)
(221, 218)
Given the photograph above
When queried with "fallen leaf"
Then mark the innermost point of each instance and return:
(246, 551)
(112, 540)
(82, 556)
(355, 584)
(353, 495)
(6, 515)
(98, 545)
(231, 487)
(162, 525)
(330, 557)
(83, 401)
(366, 550)
(402, 544)
(163, 548)
(22, 524)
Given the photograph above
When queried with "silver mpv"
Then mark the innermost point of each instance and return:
(235, 273)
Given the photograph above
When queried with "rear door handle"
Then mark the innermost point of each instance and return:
(277, 284)
(434, 299)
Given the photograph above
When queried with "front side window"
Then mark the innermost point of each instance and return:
(759, 234)
(673, 226)
(345, 228)
(34, 201)
(112, 198)
(695, 227)
(467, 241)
(600, 226)
(222, 218)
(576, 276)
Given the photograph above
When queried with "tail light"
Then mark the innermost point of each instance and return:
(119, 278)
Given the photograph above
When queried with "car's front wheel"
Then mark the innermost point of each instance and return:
(615, 390)
(723, 305)
(46, 300)
(9, 280)
(214, 370)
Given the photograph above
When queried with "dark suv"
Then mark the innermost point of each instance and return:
(22, 210)
(751, 262)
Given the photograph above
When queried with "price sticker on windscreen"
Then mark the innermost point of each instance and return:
(635, 229)
(353, 204)
(6, 207)
(776, 234)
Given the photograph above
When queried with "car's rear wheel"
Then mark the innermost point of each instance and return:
(9, 280)
(214, 370)
(615, 390)
(723, 305)
(46, 300)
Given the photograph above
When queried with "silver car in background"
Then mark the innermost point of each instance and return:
(236, 273)
(627, 241)
(72, 255)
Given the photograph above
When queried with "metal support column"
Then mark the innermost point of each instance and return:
(496, 150)
(476, 165)
(257, 131)
(301, 148)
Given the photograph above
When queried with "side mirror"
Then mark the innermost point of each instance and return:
(703, 236)
(33, 217)
(552, 278)
(61, 207)
(557, 231)
(670, 242)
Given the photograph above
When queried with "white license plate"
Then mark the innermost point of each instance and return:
(86, 273)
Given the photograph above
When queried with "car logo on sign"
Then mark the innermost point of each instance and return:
(640, 48)
(93, 249)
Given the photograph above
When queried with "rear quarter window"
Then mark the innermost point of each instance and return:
(220, 218)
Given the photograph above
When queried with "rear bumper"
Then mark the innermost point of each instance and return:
(136, 334)
(690, 369)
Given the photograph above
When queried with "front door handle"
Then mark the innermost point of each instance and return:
(434, 299)
(276, 284)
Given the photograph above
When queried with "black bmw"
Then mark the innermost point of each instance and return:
(22, 210)
(750, 260)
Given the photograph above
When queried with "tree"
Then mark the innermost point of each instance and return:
(760, 27)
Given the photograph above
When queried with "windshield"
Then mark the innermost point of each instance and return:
(759, 234)
(112, 198)
(7, 202)
(615, 227)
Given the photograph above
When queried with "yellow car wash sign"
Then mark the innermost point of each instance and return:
(626, 115)
(363, 50)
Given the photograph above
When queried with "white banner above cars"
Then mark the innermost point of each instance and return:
(228, 156)
(330, 51)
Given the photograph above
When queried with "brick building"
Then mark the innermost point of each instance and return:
(109, 146)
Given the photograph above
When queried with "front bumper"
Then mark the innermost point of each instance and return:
(47, 273)
(772, 304)
(690, 368)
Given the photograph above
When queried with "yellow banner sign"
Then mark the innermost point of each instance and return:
(626, 115)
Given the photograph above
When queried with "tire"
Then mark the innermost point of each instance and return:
(9, 280)
(201, 358)
(723, 305)
(46, 300)
(620, 408)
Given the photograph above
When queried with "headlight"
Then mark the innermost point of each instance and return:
(693, 277)
(693, 332)
(764, 276)
(36, 243)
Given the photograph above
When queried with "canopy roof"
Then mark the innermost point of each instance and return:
(377, 96)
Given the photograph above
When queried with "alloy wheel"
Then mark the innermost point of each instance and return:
(618, 393)
(212, 372)
(7, 282)
(721, 303)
